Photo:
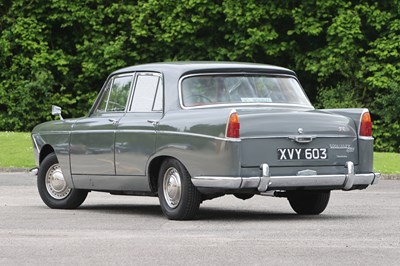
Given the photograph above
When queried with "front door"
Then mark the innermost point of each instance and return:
(92, 138)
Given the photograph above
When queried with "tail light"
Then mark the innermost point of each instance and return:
(366, 125)
(233, 128)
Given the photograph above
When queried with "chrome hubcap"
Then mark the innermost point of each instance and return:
(55, 183)
(172, 187)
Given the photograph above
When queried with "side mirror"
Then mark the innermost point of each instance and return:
(56, 110)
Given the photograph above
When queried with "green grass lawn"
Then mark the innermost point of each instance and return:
(387, 163)
(16, 151)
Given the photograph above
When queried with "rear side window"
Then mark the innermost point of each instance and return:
(148, 93)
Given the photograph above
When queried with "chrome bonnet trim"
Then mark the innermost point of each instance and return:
(33, 136)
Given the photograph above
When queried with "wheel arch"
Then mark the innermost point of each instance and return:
(44, 152)
(53, 188)
(153, 170)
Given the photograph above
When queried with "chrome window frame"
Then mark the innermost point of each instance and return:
(111, 81)
(133, 89)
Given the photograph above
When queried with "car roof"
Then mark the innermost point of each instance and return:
(187, 67)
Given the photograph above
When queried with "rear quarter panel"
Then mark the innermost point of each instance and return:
(197, 138)
(365, 144)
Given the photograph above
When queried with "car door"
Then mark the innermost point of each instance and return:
(136, 132)
(92, 138)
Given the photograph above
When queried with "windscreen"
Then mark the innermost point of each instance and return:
(241, 89)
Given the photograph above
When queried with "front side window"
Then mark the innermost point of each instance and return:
(103, 102)
(241, 89)
(116, 94)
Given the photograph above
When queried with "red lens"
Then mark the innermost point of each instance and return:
(233, 130)
(366, 125)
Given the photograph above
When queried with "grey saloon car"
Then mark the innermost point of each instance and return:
(193, 131)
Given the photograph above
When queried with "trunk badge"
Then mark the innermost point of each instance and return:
(306, 172)
(300, 130)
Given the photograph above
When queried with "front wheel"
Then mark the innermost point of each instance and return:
(53, 189)
(179, 198)
(308, 201)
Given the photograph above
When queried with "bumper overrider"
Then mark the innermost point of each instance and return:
(267, 182)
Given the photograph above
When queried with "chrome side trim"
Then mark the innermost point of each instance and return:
(94, 131)
(115, 130)
(135, 131)
(56, 132)
(281, 137)
(147, 131)
(197, 135)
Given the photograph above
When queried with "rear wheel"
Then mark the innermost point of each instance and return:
(309, 201)
(53, 189)
(179, 198)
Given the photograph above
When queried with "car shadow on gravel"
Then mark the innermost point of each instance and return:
(212, 214)
(249, 215)
(115, 209)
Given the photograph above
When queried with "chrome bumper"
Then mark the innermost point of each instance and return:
(34, 171)
(267, 182)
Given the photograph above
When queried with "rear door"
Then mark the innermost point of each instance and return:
(92, 138)
(136, 133)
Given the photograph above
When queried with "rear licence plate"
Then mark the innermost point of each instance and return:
(303, 154)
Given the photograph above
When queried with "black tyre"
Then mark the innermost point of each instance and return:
(179, 199)
(309, 202)
(53, 189)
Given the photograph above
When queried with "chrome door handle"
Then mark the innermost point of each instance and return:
(113, 121)
(153, 122)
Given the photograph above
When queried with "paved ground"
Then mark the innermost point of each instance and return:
(358, 228)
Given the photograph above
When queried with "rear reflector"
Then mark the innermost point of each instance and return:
(233, 130)
(366, 125)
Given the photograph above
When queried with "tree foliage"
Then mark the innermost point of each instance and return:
(59, 52)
